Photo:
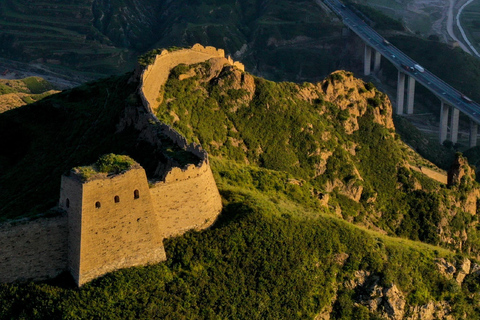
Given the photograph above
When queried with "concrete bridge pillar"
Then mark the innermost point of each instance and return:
(410, 94)
(376, 61)
(454, 124)
(367, 62)
(443, 127)
(400, 91)
(473, 134)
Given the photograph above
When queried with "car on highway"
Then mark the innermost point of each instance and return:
(385, 42)
(408, 68)
(465, 98)
(419, 68)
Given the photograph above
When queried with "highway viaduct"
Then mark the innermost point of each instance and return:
(452, 101)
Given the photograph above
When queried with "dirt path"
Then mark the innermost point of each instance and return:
(450, 24)
(459, 25)
(435, 175)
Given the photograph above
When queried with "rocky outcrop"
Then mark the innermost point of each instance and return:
(446, 268)
(394, 303)
(463, 270)
(460, 173)
(352, 94)
(389, 302)
(449, 271)
(431, 311)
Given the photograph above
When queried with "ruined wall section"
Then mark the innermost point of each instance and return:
(33, 250)
(119, 227)
(187, 199)
(91, 240)
(155, 75)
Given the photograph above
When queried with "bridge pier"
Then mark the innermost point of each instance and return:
(454, 124)
(376, 61)
(473, 134)
(400, 91)
(443, 127)
(367, 62)
(410, 94)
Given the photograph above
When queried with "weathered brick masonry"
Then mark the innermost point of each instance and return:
(119, 221)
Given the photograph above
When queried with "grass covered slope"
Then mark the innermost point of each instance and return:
(336, 136)
(16, 93)
(263, 259)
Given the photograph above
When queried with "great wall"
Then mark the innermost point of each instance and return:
(120, 220)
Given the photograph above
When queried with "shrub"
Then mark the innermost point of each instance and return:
(112, 163)
(369, 86)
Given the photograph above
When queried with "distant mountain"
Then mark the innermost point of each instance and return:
(104, 36)
(279, 40)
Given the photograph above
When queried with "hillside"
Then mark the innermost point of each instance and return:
(41, 141)
(336, 136)
(319, 197)
(16, 93)
(105, 37)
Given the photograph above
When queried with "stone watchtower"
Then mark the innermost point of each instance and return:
(111, 223)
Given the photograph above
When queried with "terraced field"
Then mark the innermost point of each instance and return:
(59, 33)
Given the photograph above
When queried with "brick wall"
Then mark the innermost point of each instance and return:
(99, 232)
(33, 250)
(118, 225)
(191, 202)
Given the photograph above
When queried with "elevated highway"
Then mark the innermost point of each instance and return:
(376, 46)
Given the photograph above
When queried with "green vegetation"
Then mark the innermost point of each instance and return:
(108, 163)
(103, 38)
(31, 85)
(63, 34)
(230, 124)
(285, 164)
(4, 89)
(433, 151)
(261, 260)
(379, 20)
(37, 85)
(23, 91)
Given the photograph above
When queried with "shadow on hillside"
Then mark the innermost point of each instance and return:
(63, 280)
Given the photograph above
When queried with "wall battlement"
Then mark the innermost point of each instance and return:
(120, 221)
(156, 75)
(112, 224)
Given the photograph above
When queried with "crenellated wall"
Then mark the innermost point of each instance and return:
(155, 75)
(118, 225)
(119, 221)
(188, 199)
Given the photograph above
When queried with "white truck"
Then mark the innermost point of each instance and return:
(419, 68)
